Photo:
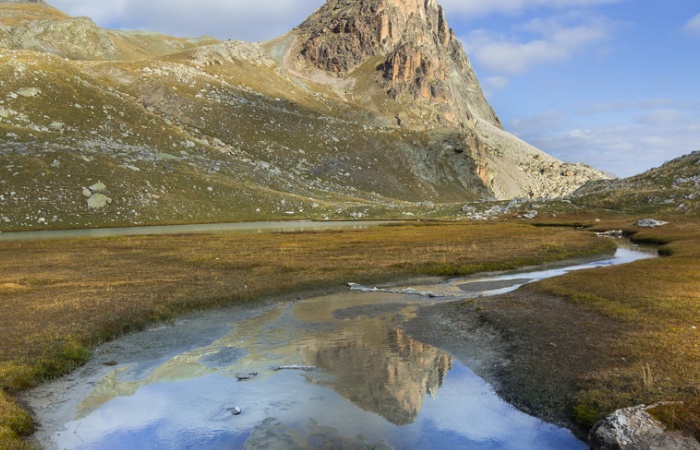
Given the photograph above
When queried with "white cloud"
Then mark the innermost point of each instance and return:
(235, 19)
(659, 130)
(693, 26)
(556, 39)
(496, 82)
(473, 8)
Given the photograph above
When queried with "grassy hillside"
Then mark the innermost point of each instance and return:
(673, 188)
(178, 141)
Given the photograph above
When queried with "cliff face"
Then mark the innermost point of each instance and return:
(420, 59)
(427, 82)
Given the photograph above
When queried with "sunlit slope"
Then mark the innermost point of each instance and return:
(673, 188)
(196, 138)
(40, 27)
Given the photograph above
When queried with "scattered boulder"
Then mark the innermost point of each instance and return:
(651, 223)
(635, 429)
(6, 112)
(98, 187)
(97, 201)
(236, 411)
(529, 215)
(29, 92)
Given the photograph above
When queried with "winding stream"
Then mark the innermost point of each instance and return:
(328, 372)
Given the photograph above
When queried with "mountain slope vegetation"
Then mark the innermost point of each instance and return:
(101, 127)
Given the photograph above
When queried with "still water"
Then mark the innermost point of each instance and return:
(238, 227)
(328, 372)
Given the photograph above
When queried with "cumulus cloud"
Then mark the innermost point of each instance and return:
(225, 19)
(473, 8)
(659, 130)
(693, 26)
(494, 83)
(537, 42)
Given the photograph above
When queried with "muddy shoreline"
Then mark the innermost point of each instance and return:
(533, 349)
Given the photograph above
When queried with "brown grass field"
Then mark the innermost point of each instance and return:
(58, 299)
(655, 305)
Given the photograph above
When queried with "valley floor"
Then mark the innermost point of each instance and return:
(576, 347)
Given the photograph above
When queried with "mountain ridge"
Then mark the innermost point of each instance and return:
(241, 131)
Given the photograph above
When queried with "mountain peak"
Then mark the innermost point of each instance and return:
(420, 61)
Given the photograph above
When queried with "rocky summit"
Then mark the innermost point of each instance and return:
(367, 109)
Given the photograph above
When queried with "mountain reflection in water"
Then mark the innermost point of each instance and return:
(374, 365)
(391, 380)
(352, 379)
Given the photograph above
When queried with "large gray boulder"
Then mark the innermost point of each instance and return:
(635, 429)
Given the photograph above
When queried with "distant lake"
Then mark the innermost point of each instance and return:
(239, 227)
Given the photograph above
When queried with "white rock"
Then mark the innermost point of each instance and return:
(29, 92)
(635, 429)
(98, 201)
(651, 223)
(98, 187)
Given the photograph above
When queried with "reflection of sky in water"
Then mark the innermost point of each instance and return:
(377, 383)
(465, 413)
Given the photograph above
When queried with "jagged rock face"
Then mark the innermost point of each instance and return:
(423, 62)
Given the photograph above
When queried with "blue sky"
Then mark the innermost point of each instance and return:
(612, 83)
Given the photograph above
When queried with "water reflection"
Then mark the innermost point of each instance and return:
(366, 360)
(238, 227)
(371, 386)
(391, 380)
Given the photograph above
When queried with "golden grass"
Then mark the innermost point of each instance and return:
(656, 306)
(77, 293)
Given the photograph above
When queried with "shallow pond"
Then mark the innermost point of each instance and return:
(328, 372)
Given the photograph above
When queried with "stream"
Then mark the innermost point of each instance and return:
(336, 372)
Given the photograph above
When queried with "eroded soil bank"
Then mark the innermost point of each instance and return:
(533, 349)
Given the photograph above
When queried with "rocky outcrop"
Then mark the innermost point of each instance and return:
(79, 38)
(415, 60)
(650, 223)
(421, 60)
(635, 429)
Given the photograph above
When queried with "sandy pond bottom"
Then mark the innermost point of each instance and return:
(332, 372)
